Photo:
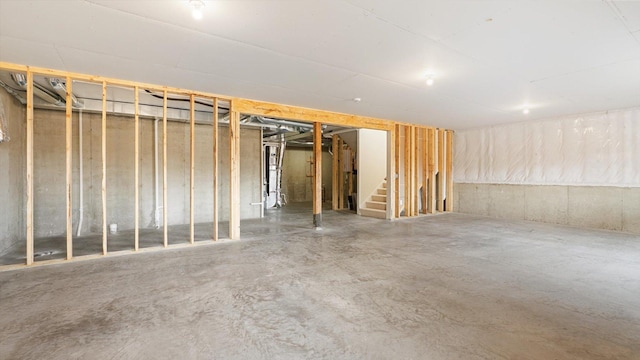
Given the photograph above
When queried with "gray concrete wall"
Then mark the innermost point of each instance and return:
(598, 207)
(12, 174)
(295, 167)
(49, 177)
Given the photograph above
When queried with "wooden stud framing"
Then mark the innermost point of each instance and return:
(414, 171)
(334, 173)
(340, 174)
(317, 174)
(407, 171)
(391, 171)
(449, 170)
(234, 171)
(103, 189)
(441, 174)
(165, 226)
(433, 169)
(425, 168)
(29, 255)
(428, 148)
(192, 166)
(397, 130)
(69, 162)
(111, 81)
(136, 141)
(215, 169)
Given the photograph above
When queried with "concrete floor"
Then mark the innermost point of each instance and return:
(449, 286)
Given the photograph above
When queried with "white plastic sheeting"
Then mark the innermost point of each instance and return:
(600, 149)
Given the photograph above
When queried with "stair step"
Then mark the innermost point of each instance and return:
(380, 214)
(379, 198)
(376, 205)
(384, 185)
(382, 191)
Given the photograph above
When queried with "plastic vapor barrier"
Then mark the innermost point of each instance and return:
(600, 149)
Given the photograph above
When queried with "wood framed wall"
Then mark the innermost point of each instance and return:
(414, 145)
(423, 168)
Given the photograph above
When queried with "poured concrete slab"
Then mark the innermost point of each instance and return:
(448, 286)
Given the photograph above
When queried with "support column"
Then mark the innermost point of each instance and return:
(334, 173)
(441, 172)
(103, 186)
(69, 183)
(234, 171)
(30, 194)
(317, 174)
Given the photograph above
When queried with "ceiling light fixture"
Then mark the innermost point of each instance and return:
(197, 6)
(429, 80)
(525, 111)
(357, 99)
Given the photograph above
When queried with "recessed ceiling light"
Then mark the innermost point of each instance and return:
(525, 111)
(197, 6)
(429, 80)
(357, 99)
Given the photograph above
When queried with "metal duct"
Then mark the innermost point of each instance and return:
(61, 89)
(38, 90)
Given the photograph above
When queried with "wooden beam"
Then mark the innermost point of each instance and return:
(234, 171)
(317, 174)
(100, 79)
(311, 115)
(414, 172)
(29, 230)
(215, 169)
(407, 171)
(192, 167)
(433, 169)
(136, 170)
(165, 210)
(103, 187)
(391, 171)
(340, 174)
(69, 162)
(334, 172)
(449, 170)
(397, 132)
(441, 174)
(424, 157)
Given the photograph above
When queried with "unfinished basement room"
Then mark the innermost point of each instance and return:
(339, 179)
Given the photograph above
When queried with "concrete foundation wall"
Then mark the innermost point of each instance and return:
(12, 174)
(297, 183)
(49, 164)
(598, 207)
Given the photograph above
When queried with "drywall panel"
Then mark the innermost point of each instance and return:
(599, 149)
(372, 162)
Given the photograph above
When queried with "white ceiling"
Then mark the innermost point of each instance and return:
(489, 57)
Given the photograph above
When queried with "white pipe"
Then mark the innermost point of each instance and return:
(155, 174)
(81, 195)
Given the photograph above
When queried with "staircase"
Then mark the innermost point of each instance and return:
(376, 205)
